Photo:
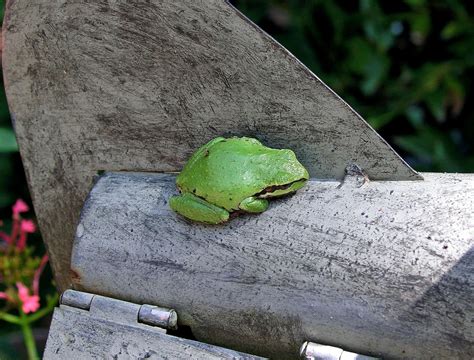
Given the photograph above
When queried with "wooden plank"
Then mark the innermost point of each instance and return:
(385, 269)
(74, 334)
(125, 85)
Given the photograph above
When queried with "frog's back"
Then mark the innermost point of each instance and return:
(226, 171)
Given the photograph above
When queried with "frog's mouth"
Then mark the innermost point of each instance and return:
(281, 190)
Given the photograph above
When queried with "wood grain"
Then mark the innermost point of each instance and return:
(384, 269)
(126, 85)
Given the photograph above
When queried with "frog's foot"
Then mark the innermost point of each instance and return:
(197, 209)
(254, 205)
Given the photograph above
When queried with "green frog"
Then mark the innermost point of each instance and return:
(229, 175)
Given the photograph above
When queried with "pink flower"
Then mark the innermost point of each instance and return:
(30, 303)
(19, 207)
(28, 226)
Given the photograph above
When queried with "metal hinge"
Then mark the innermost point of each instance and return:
(88, 326)
(162, 319)
(119, 311)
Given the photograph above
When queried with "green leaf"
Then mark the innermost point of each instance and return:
(421, 23)
(7, 141)
(376, 69)
(435, 102)
(416, 3)
(451, 30)
(367, 61)
(415, 115)
(378, 121)
(434, 150)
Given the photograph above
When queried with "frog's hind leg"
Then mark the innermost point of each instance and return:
(197, 209)
(254, 205)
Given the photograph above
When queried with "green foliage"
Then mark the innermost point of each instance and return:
(12, 183)
(7, 141)
(405, 66)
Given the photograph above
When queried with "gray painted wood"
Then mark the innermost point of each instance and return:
(75, 334)
(383, 269)
(127, 85)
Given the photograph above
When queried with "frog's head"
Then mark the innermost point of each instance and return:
(285, 174)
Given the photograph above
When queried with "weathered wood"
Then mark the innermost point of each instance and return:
(383, 269)
(127, 85)
(74, 334)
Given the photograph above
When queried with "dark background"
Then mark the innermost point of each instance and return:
(405, 66)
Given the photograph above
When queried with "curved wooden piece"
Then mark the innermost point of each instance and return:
(385, 269)
(126, 85)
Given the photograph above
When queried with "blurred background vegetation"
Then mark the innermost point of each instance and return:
(405, 66)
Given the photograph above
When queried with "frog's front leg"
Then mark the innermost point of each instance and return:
(198, 209)
(253, 204)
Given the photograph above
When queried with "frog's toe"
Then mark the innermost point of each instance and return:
(254, 205)
(197, 209)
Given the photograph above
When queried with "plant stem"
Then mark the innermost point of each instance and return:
(28, 338)
(10, 318)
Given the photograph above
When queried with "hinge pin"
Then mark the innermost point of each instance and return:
(106, 307)
(158, 316)
(314, 351)
(77, 299)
